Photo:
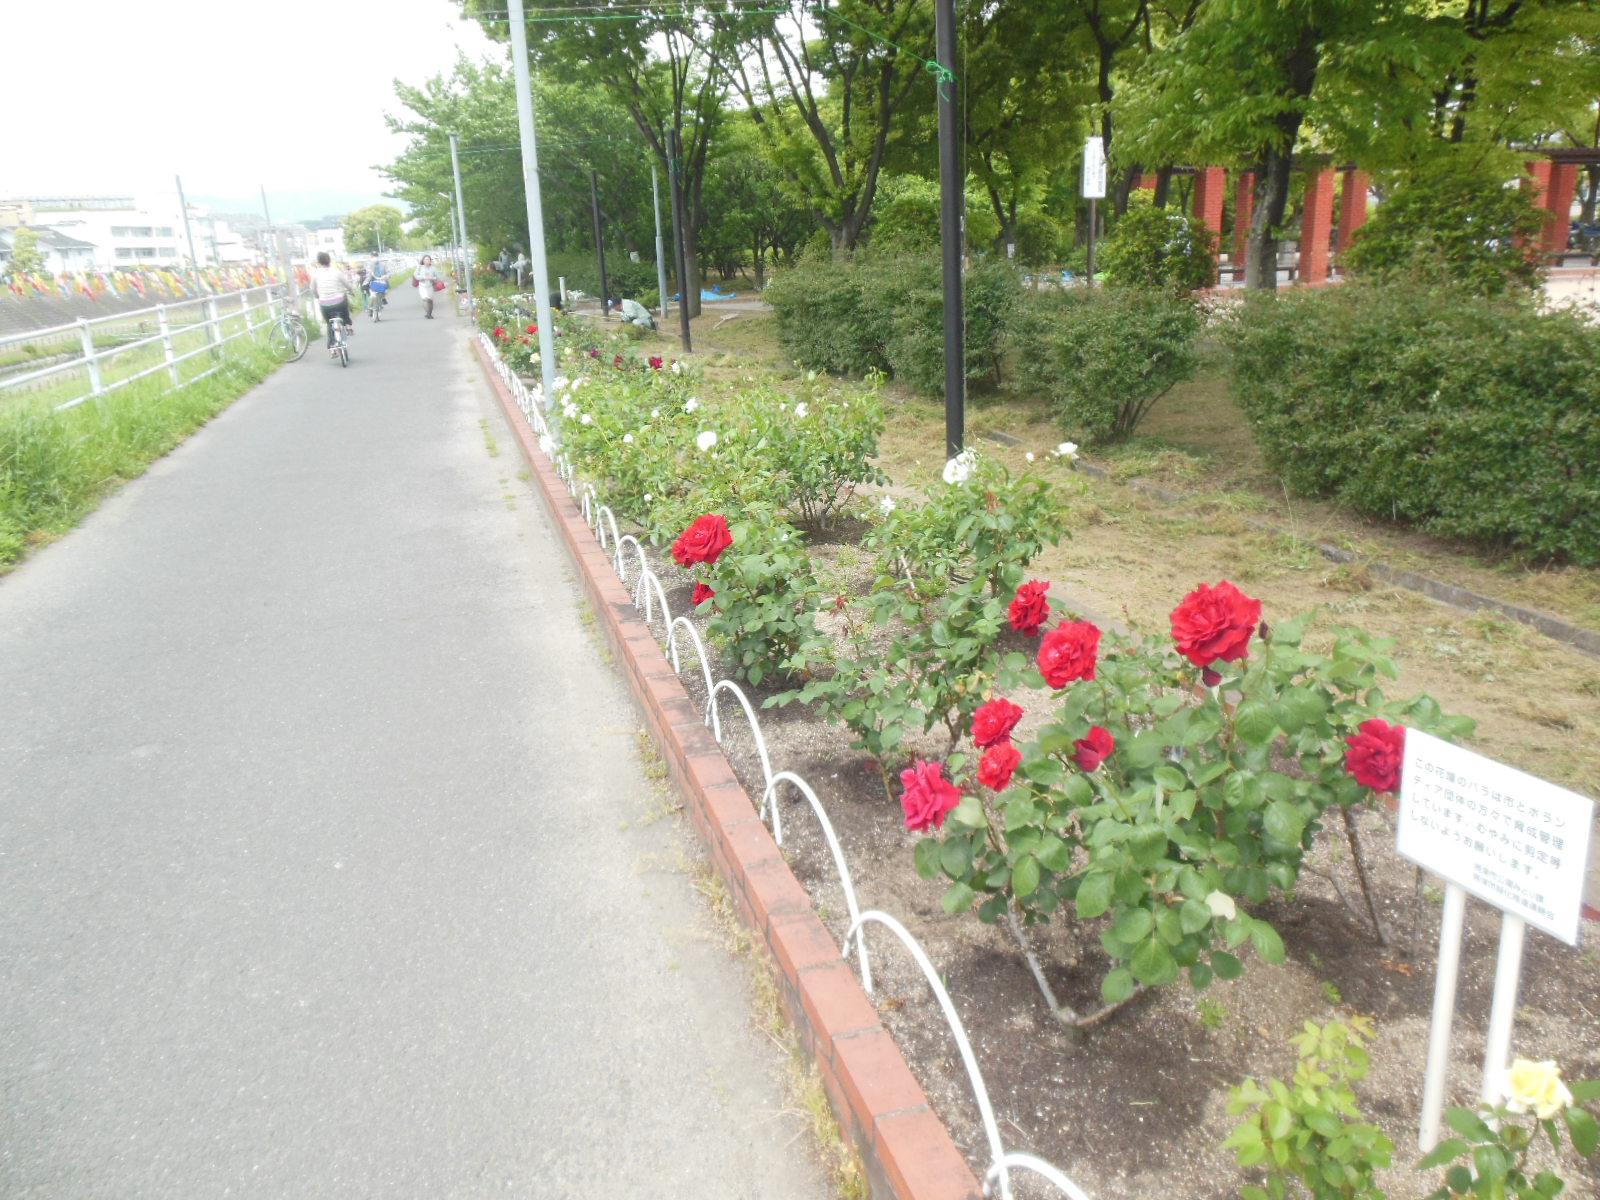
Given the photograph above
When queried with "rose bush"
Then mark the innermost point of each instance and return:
(764, 599)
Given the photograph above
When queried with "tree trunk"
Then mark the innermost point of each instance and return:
(1272, 197)
(691, 266)
(1163, 186)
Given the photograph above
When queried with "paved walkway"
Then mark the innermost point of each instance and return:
(328, 866)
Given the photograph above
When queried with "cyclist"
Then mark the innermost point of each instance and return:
(332, 287)
(378, 281)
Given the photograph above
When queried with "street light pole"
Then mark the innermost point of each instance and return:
(950, 204)
(461, 221)
(530, 185)
(599, 244)
(661, 260)
(681, 260)
(194, 262)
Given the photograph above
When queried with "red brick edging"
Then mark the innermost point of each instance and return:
(904, 1147)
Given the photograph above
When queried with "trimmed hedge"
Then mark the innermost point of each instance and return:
(1465, 416)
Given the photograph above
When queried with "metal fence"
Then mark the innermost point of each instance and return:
(95, 356)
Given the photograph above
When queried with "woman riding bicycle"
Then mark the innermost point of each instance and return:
(332, 287)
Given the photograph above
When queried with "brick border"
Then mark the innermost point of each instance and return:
(905, 1149)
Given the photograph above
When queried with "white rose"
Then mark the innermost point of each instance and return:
(647, 497)
(1028, 456)
(1535, 1087)
(1068, 450)
(691, 404)
(706, 440)
(1221, 905)
(587, 419)
(677, 367)
(627, 439)
(800, 410)
(886, 505)
(959, 468)
(655, 413)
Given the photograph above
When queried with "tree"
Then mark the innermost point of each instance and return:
(25, 253)
(372, 227)
(825, 84)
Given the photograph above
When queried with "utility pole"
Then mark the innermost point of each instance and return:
(951, 198)
(530, 187)
(675, 182)
(599, 244)
(661, 261)
(461, 221)
(194, 263)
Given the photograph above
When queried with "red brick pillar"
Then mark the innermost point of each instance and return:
(1209, 185)
(1244, 208)
(1536, 182)
(1316, 225)
(1352, 206)
(1558, 203)
(1147, 182)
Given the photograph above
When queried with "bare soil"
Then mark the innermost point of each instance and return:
(1135, 1108)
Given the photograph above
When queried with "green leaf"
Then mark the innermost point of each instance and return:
(1467, 1123)
(958, 899)
(956, 857)
(1094, 895)
(1117, 986)
(1226, 965)
(1584, 1090)
(1254, 723)
(1491, 1162)
(1152, 964)
(927, 857)
(1133, 925)
(1284, 822)
(1267, 942)
(1172, 779)
(1025, 876)
(1585, 1133)
(1193, 916)
(1445, 1151)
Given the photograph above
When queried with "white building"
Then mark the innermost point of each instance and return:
(126, 233)
(329, 236)
(62, 254)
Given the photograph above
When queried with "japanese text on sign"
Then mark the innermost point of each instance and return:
(1094, 169)
(1512, 840)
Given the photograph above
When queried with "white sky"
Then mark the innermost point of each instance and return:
(227, 93)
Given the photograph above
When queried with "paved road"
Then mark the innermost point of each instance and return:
(328, 866)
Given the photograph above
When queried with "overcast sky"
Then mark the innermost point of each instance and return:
(113, 97)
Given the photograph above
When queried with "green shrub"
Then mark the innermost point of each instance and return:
(1466, 416)
(1450, 224)
(824, 318)
(764, 613)
(1101, 357)
(905, 217)
(1159, 248)
(624, 277)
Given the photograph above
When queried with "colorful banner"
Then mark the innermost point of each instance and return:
(153, 284)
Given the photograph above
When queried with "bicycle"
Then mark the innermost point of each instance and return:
(341, 344)
(287, 337)
(377, 298)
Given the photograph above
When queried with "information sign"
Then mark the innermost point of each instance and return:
(1094, 169)
(1511, 840)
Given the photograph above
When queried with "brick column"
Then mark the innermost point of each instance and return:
(1558, 203)
(1352, 206)
(1316, 224)
(1147, 181)
(1209, 183)
(1536, 182)
(1244, 208)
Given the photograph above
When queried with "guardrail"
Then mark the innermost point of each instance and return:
(210, 316)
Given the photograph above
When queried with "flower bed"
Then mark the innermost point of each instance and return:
(1147, 810)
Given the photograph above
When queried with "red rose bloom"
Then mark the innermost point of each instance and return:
(701, 594)
(655, 362)
(1375, 755)
(702, 542)
(524, 340)
(993, 723)
(1030, 609)
(617, 361)
(594, 352)
(1068, 653)
(533, 329)
(1089, 752)
(1212, 623)
(500, 332)
(996, 766)
(928, 797)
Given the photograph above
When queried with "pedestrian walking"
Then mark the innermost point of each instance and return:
(426, 280)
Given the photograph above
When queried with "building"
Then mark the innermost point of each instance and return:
(122, 232)
(327, 234)
(62, 254)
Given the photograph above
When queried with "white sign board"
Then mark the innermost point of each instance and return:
(1094, 169)
(1511, 840)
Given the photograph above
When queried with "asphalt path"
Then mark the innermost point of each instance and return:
(328, 862)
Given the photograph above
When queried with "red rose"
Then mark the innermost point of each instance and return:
(1212, 623)
(533, 329)
(524, 340)
(997, 765)
(928, 797)
(617, 361)
(701, 594)
(993, 723)
(594, 352)
(702, 542)
(1375, 755)
(1030, 609)
(655, 362)
(1068, 652)
(500, 332)
(1091, 751)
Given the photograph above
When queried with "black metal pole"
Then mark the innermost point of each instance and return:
(1092, 216)
(674, 178)
(951, 196)
(599, 245)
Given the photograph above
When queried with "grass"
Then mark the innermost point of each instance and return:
(55, 467)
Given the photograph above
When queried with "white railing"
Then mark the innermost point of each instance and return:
(647, 592)
(252, 308)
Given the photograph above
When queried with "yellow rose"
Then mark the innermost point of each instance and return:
(1536, 1087)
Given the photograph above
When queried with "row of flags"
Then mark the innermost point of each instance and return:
(150, 283)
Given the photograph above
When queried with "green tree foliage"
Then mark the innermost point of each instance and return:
(1160, 248)
(371, 227)
(25, 252)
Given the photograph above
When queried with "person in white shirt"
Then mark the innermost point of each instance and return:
(332, 287)
(423, 279)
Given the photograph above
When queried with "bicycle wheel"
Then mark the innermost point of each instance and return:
(344, 353)
(287, 339)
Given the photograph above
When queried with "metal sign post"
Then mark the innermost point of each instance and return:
(952, 197)
(461, 219)
(1513, 841)
(530, 185)
(1094, 188)
(661, 259)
